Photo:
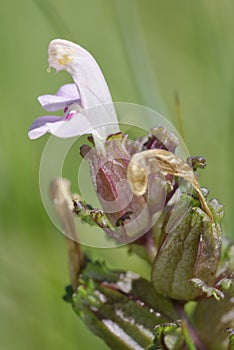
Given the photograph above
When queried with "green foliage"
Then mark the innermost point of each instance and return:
(211, 318)
(120, 307)
(231, 337)
(208, 291)
(166, 337)
(125, 311)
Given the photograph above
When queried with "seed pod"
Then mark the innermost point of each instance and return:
(190, 250)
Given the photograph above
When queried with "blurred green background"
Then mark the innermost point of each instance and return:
(147, 51)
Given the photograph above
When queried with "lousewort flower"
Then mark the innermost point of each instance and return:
(119, 166)
(90, 90)
(88, 109)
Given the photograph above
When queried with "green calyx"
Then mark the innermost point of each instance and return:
(190, 250)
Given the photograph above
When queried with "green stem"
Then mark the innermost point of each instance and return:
(192, 340)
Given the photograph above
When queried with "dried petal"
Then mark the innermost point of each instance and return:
(142, 165)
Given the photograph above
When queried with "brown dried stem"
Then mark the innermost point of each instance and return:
(62, 200)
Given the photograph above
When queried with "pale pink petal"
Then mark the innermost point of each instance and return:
(39, 126)
(92, 87)
(66, 95)
(78, 125)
